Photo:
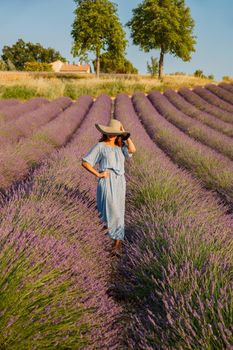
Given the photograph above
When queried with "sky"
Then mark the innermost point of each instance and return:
(49, 22)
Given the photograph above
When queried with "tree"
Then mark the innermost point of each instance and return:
(129, 68)
(97, 28)
(111, 64)
(166, 25)
(22, 52)
(153, 66)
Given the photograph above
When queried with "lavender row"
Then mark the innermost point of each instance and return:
(192, 127)
(228, 87)
(190, 110)
(65, 170)
(9, 102)
(58, 209)
(16, 160)
(13, 112)
(213, 99)
(214, 170)
(176, 268)
(201, 104)
(29, 122)
(222, 93)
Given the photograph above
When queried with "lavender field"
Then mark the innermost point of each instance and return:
(60, 287)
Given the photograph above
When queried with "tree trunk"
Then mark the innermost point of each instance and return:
(161, 61)
(97, 63)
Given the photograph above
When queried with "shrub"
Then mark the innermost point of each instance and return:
(21, 92)
(71, 91)
(227, 78)
(199, 73)
(3, 65)
(178, 73)
(38, 67)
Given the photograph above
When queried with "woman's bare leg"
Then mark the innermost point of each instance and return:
(117, 244)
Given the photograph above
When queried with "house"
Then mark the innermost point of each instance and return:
(61, 67)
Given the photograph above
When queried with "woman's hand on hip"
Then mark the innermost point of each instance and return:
(104, 174)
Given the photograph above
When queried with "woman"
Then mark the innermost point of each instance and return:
(109, 153)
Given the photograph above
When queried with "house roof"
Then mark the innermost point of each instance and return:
(74, 67)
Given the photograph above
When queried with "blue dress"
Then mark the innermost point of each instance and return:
(110, 193)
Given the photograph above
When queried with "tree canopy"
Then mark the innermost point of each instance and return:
(97, 28)
(166, 25)
(22, 52)
(111, 64)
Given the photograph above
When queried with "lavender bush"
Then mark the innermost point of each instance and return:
(29, 122)
(222, 93)
(203, 105)
(35, 269)
(178, 256)
(190, 110)
(192, 127)
(213, 99)
(13, 112)
(213, 169)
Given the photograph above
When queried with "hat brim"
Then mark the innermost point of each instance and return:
(109, 130)
(125, 137)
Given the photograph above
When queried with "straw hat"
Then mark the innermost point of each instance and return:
(114, 128)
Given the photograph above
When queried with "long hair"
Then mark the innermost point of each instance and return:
(118, 141)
